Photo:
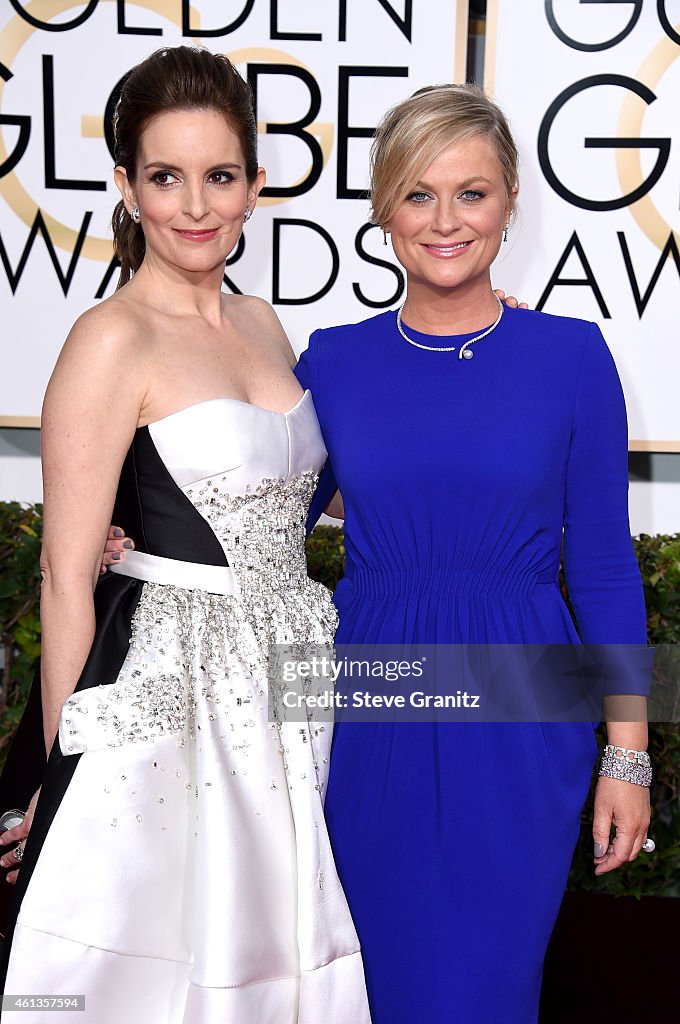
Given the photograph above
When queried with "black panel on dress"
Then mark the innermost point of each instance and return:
(156, 513)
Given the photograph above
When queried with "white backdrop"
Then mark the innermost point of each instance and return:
(334, 66)
(54, 87)
(592, 92)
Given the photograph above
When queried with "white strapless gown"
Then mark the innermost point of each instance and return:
(187, 874)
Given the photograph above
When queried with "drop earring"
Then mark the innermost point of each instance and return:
(247, 215)
(134, 213)
(505, 232)
(384, 237)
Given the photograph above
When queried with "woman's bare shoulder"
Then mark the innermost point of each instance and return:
(113, 323)
(109, 340)
(107, 347)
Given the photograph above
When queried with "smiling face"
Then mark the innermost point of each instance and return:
(447, 231)
(191, 189)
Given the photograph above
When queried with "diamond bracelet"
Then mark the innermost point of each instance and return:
(627, 764)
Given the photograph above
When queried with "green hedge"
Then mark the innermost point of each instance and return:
(20, 539)
(659, 560)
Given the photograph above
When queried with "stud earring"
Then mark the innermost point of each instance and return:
(247, 215)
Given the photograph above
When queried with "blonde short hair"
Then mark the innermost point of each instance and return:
(414, 132)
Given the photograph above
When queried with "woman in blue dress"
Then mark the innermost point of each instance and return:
(460, 477)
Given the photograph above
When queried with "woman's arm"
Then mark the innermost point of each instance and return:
(603, 578)
(605, 588)
(90, 414)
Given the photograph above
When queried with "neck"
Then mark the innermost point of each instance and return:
(179, 292)
(462, 310)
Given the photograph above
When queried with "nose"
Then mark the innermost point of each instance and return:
(195, 199)
(446, 219)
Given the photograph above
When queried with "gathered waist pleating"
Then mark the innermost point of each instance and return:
(452, 606)
(483, 582)
(213, 579)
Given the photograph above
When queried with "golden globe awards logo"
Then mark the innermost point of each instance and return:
(322, 75)
(642, 157)
(56, 55)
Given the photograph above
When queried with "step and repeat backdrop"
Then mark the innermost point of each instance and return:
(592, 91)
(590, 88)
(322, 75)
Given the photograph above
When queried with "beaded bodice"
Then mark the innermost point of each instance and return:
(251, 474)
(262, 531)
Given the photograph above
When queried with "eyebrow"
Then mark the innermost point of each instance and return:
(463, 184)
(226, 166)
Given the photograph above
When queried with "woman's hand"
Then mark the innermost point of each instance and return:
(510, 300)
(116, 546)
(17, 834)
(626, 806)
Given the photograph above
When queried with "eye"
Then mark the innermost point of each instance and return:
(221, 177)
(164, 179)
(471, 195)
(418, 197)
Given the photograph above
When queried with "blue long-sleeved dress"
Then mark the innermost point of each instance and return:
(460, 480)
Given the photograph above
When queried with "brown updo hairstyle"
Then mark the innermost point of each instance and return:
(174, 78)
(414, 132)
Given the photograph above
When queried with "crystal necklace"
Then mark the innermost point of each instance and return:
(465, 352)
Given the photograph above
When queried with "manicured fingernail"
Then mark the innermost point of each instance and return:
(128, 544)
(598, 849)
(118, 532)
(115, 554)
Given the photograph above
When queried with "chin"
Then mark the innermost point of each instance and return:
(446, 282)
(199, 262)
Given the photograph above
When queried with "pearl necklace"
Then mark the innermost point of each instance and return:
(465, 352)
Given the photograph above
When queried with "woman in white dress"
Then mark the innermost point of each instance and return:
(177, 866)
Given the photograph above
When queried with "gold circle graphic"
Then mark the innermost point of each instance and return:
(324, 131)
(629, 161)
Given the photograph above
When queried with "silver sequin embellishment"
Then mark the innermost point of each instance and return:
(192, 650)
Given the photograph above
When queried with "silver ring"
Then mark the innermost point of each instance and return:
(18, 853)
(649, 846)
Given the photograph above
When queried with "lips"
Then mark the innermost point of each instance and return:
(197, 236)
(448, 252)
